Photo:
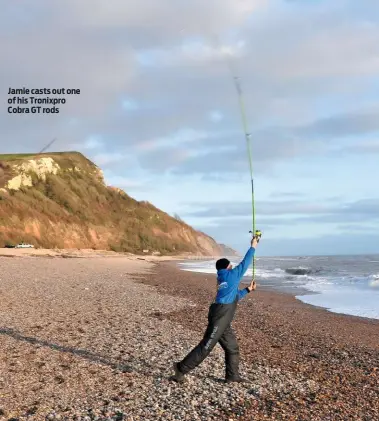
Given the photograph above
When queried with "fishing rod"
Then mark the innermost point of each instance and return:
(237, 83)
(255, 232)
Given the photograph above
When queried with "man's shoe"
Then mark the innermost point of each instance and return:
(178, 376)
(237, 379)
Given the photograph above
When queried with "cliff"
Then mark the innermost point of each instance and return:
(60, 200)
(228, 251)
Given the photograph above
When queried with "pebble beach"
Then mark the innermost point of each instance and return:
(94, 338)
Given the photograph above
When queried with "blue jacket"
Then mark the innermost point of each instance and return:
(228, 280)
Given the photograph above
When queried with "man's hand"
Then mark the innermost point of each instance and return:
(252, 286)
(254, 242)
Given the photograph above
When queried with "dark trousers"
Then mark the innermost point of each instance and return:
(220, 331)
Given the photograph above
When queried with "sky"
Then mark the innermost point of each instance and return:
(158, 111)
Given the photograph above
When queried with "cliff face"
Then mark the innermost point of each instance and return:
(228, 251)
(60, 200)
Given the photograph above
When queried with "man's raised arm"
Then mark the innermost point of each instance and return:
(241, 269)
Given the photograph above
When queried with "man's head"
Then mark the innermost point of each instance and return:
(223, 264)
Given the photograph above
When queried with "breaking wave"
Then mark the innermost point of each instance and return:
(301, 271)
(374, 282)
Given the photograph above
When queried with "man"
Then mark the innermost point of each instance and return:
(220, 316)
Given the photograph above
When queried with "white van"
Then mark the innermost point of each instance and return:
(24, 246)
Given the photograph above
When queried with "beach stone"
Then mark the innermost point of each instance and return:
(118, 313)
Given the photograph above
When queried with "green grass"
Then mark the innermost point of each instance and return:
(14, 156)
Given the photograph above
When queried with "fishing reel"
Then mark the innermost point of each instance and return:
(257, 234)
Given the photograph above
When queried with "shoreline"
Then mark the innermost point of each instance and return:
(295, 293)
(339, 352)
(172, 265)
(177, 259)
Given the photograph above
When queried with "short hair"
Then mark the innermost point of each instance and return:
(222, 264)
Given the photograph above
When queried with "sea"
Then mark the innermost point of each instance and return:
(340, 284)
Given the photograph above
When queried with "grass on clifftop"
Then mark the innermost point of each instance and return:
(65, 160)
(72, 155)
(11, 157)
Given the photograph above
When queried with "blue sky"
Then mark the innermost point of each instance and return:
(159, 114)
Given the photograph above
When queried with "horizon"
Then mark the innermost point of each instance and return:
(158, 112)
(288, 255)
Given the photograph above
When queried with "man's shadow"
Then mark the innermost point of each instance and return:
(96, 358)
(124, 368)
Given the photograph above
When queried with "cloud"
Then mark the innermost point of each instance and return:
(353, 239)
(212, 152)
(154, 18)
(274, 208)
(215, 116)
(290, 212)
(280, 194)
(129, 105)
(98, 49)
(329, 40)
(160, 161)
(126, 183)
(225, 177)
(364, 147)
(341, 244)
(349, 124)
(332, 244)
(192, 54)
(88, 144)
(174, 140)
(107, 158)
